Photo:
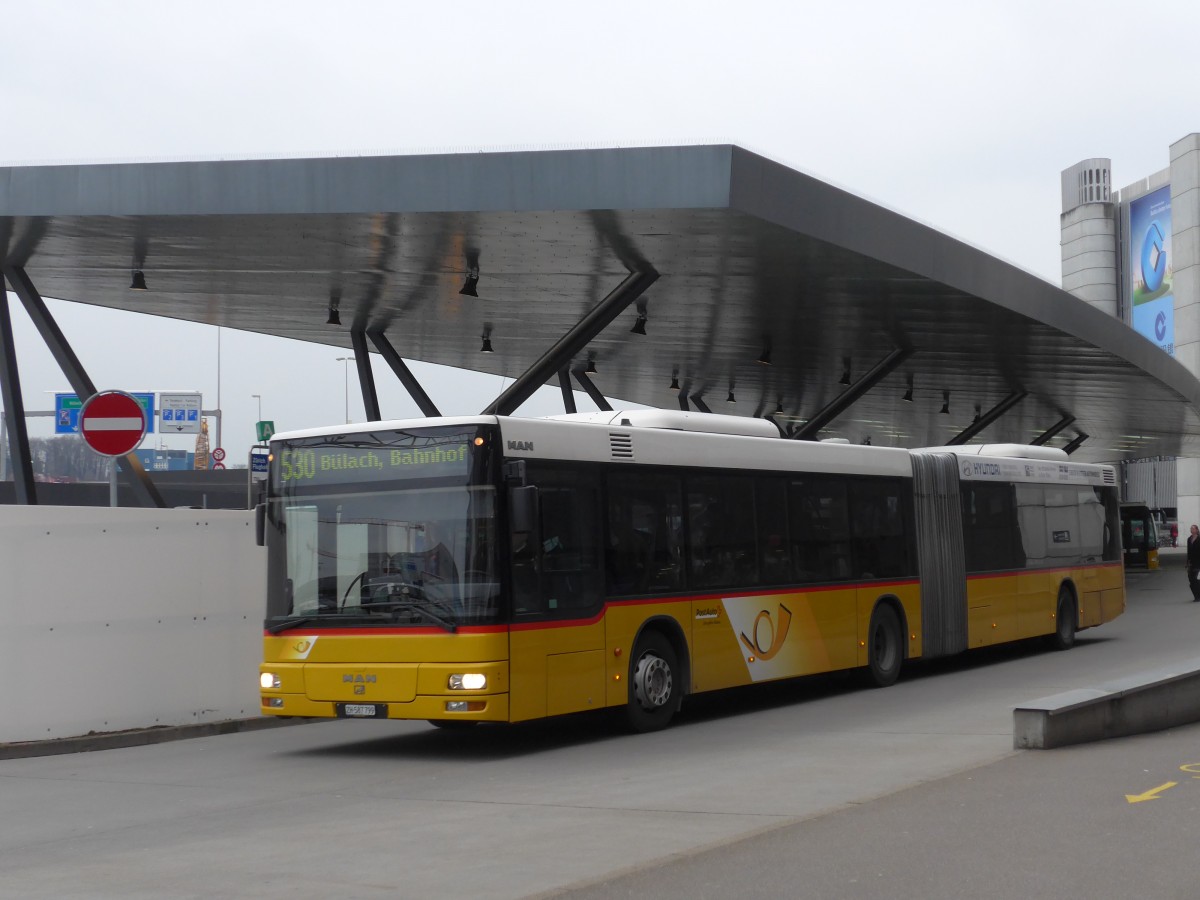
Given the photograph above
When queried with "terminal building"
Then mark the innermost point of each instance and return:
(1134, 253)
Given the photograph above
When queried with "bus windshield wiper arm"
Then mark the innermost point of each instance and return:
(409, 604)
(289, 624)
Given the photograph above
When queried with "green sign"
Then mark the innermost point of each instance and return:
(265, 430)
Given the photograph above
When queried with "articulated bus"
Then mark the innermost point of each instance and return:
(496, 569)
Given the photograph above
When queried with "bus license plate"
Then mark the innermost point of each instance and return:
(362, 710)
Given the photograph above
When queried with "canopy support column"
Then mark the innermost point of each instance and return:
(559, 356)
(987, 418)
(592, 390)
(14, 410)
(568, 395)
(1053, 430)
(366, 378)
(810, 429)
(131, 467)
(1074, 445)
(388, 352)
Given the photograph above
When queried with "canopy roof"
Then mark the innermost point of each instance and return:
(752, 259)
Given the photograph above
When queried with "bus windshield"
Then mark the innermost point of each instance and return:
(383, 528)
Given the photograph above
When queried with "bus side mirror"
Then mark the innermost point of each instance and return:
(260, 524)
(524, 505)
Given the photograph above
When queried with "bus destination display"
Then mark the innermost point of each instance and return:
(326, 465)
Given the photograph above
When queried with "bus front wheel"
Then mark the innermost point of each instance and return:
(1064, 621)
(653, 684)
(885, 648)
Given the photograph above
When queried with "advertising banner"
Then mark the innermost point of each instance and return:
(1151, 299)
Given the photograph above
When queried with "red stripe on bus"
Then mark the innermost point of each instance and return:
(422, 630)
(1008, 573)
(592, 620)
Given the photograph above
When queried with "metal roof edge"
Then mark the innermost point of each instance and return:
(685, 176)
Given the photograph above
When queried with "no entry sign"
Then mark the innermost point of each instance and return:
(112, 423)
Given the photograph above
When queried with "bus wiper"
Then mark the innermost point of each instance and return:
(289, 624)
(412, 604)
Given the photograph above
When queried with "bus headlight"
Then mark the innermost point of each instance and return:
(269, 681)
(472, 681)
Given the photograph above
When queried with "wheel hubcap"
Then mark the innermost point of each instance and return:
(652, 681)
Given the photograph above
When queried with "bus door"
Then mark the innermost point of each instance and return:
(1139, 537)
(556, 641)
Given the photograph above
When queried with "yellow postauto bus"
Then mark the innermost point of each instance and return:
(494, 569)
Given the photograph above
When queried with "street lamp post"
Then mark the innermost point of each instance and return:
(346, 360)
(258, 397)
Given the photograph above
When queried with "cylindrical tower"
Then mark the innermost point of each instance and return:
(1088, 235)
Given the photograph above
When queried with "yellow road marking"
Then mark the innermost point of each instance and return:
(1151, 794)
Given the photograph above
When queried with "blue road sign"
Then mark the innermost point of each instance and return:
(67, 406)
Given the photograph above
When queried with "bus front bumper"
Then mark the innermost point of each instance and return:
(444, 691)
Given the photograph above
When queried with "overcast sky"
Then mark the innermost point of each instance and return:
(959, 114)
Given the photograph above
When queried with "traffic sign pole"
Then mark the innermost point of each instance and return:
(112, 423)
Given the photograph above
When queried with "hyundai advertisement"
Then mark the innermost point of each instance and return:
(1150, 271)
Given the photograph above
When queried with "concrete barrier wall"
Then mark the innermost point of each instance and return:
(112, 619)
(1150, 701)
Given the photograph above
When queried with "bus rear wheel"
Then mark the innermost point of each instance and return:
(885, 648)
(653, 684)
(1064, 621)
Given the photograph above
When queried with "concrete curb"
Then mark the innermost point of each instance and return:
(1151, 701)
(138, 737)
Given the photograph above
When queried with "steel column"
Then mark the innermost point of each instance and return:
(809, 430)
(388, 352)
(131, 467)
(987, 418)
(560, 355)
(366, 378)
(592, 390)
(1074, 445)
(568, 395)
(14, 409)
(698, 402)
(1053, 430)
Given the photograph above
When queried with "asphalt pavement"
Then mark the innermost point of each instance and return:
(1113, 819)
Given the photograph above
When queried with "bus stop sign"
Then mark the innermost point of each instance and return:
(112, 423)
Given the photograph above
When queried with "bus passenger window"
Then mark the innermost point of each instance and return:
(878, 511)
(820, 530)
(993, 526)
(645, 534)
(721, 531)
(571, 545)
(775, 555)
